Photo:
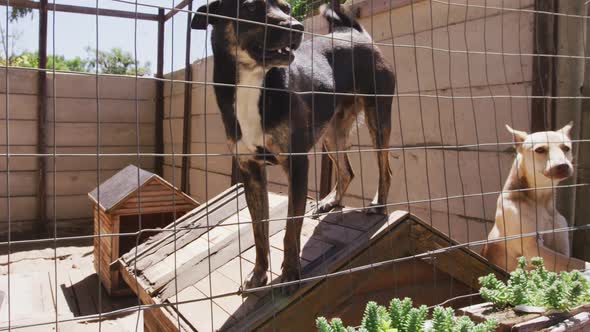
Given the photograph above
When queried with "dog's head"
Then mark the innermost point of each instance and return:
(546, 156)
(257, 32)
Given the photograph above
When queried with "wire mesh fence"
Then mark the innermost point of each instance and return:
(462, 71)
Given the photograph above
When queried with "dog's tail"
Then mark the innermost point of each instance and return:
(339, 17)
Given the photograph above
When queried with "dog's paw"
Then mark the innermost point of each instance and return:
(290, 289)
(324, 206)
(255, 280)
(376, 209)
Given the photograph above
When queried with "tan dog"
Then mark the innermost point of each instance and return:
(527, 203)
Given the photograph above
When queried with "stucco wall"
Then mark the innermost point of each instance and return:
(124, 123)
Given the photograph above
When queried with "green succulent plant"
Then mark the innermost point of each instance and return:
(402, 316)
(538, 287)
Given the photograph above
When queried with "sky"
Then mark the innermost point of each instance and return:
(73, 33)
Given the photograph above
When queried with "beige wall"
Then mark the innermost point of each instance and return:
(424, 120)
(74, 131)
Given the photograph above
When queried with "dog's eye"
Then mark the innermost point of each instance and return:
(541, 149)
(286, 8)
(251, 6)
(565, 148)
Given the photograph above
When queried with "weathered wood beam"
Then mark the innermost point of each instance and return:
(325, 174)
(218, 255)
(568, 83)
(41, 226)
(543, 66)
(186, 119)
(178, 8)
(160, 95)
(581, 243)
(80, 10)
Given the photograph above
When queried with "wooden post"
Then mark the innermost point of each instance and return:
(568, 83)
(41, 226)
(186, 119)
(543, 67)
(581, 239)
(160, 95)
(325, 174)
(235, 171)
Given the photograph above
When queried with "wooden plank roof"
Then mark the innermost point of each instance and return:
(212, 252)
(125, 183)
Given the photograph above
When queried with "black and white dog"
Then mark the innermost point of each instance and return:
(279, 95)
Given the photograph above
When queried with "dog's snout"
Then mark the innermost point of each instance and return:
(296, 25)
(560, 171)
(296, 32)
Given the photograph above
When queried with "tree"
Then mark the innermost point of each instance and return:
(116, 61)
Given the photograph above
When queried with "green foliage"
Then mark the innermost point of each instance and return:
(402, 316)
(115, 61)
(17, 13)
(301, 9)
(443, 319)
(538, 287)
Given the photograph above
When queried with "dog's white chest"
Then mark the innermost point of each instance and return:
(247, 112)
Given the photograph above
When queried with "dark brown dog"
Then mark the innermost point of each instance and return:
(279, 95)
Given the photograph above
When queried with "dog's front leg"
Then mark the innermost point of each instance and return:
(254, 179)
(296, 168)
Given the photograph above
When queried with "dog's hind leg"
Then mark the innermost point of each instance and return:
(336, 142)
(378, 116)
(254, 178)
(297, 169)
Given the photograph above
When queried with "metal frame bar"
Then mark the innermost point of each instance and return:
(186, 117)
(80, 10)
(41, 226)
(160, 94)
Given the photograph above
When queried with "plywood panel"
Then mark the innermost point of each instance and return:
(21, 208)
(19, 183)
(482, 71)
(73, 85)
(172, 175)
(85, 110)
(201, 190)
(84, 158)
(83, 134)
(208, 129)
(174, 106)
(204, 100)
(75, 182)
(18, 163)
(417, 18)
(21, 81)
(424, 186)
(21, 132)
(218, 158)
(70, 207)
(20, 107)
(173, 131)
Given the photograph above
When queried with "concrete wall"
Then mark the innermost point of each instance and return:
(469, 118)
(72, 128)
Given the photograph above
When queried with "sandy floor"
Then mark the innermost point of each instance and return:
(37, 298)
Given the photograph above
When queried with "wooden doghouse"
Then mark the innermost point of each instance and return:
(219, 260)
(121, 203)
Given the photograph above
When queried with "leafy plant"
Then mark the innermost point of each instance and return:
(402, 316)
(115, 61)
(538, 287)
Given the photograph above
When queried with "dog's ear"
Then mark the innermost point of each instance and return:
(200, 20)
(567, 129)
(519, 136)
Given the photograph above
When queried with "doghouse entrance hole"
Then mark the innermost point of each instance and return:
(130, 224)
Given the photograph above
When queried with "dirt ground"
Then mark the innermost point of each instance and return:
(36, 296)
